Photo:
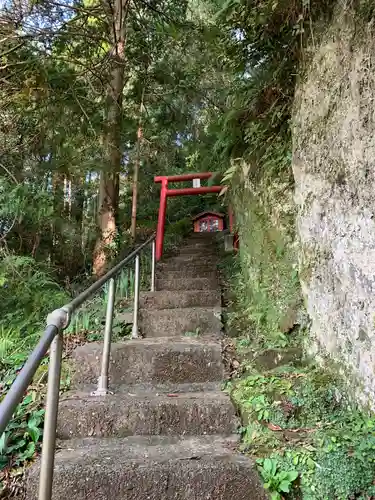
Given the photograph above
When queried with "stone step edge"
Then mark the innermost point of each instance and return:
(180, 339)
(179, 284)
(171, 388)
(130, 413)
(214, 444)
(166, 299)
(166, 310)
(128, 392)
(80, 460)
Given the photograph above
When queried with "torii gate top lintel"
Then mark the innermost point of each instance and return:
(183, 177)
(165, 192)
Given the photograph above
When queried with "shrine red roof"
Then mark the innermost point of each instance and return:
(204, 214)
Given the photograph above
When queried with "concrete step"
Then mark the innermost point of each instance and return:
(151, 468)
(198, 250)
(199, 256)
(211, 260)
(186, 272)
(151, 361)
(209, 237)
(177, 322)
(134, 411)
(124, 317)
(161, 387)
(199, 243)
(187, 284)
(173, 265)
(165, 299)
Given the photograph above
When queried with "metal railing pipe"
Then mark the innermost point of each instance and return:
(136, 298)
(82, 297)
(153, 265)
(103, 379)
(24, 378)
(50, 421)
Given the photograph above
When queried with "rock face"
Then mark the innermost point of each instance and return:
(334, 171)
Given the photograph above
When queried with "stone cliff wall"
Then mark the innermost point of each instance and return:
(334, 171)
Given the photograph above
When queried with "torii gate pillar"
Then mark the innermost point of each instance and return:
(165, 192)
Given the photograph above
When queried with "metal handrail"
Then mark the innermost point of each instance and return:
(52, 339)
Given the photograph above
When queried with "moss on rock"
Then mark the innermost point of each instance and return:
(270, 295)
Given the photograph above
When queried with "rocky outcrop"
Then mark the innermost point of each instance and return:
(334, 171)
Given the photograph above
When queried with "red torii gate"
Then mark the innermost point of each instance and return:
(165, 192)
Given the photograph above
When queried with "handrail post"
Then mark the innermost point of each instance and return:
(153, 262)
(50, 422)
(136, 298)
(103, 379)
(56, 322)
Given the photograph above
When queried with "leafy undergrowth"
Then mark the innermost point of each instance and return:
(21, 441)
(308, 441)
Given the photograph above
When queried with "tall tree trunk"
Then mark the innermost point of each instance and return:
(58, 207)
(77, 206)
(136, 170)
(109, 176)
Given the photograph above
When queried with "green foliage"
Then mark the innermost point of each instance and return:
(266, 55)
(276, 481)
(89, 319)
(253, 147)
(14, 344)
(125, 284)
(265, 290)
(28, 292)
(366, 10)
(257, 439)
(351, 443)
(353, 476)
(296, 420)
(216, 80)
(270, 288)
(21, 439)
(338, 461)
(333, 445)
(175, 233)
(85, 319)
(254, 395)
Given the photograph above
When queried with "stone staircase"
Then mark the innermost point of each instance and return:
(168, 431)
